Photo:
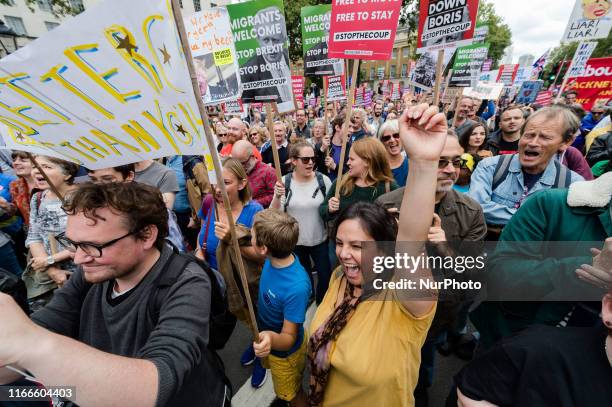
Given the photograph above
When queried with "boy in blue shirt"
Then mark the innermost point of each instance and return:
(284, 290)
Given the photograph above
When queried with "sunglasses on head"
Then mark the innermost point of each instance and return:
(387, 137)
(306, 160)
(457, 163)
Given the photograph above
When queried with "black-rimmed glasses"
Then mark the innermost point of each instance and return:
(91, 249)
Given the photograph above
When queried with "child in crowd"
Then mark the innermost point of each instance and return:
(284, 290)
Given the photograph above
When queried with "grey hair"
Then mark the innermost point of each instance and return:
(389, 125)
(570, 122)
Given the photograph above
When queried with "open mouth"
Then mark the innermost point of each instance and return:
(40, 179)
(351, 270)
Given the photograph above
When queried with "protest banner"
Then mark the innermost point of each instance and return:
(590, 20)
(594, 86)
(480, 34)
(450, 94)
(539, 64)
(523, 74)
(507, 74)
(386, 87)
(101, 91)
(362, 29)
(468, 64)
(315, 33)
(395, 91)
(446, 24)
(490, 91)
(336, 88)
(529, 91)
(425, 69)
(578, 64)
(581, 57)
(368, 96)
(544, 98)
(212, 46)
(184, 43)
(297, 83)
(260, 37)
(486, 65)
(233, 107)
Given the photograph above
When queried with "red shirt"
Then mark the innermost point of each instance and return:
(262, 179)
(227, 151)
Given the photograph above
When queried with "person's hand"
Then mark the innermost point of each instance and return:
(58, 275)
(436, 233)
(333, 205)
(330, 163)
(423, 132)
(263, 348)
(4, 204)
(199, 253)
(599, 273)
(18, 332)
(39, 264)
(279, 189)
(325, 143)
(222, 231)
(192, 224)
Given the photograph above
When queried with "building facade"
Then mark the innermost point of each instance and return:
(32, 21)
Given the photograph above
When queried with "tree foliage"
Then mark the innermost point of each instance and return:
(499, 36)
(565, 52)
(59, 7)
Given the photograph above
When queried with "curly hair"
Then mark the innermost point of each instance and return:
(138, 204)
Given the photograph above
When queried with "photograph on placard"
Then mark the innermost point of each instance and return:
(214, 55)
(260, 37)
(315, 34)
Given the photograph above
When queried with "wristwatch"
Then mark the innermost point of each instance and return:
(50, 260)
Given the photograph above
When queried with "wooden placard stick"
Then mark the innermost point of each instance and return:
(457, 102)
(439, 66)
(344, 132)
(176, 10)
(270, 123)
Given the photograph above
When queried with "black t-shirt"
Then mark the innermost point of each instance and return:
(507, 147)
(542, 366)
(531, 179)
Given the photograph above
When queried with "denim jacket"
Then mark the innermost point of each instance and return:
(501, 204)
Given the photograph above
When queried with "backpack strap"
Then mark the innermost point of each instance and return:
(168, 275)
(321, 185)
(288, 193)
(563, 179)
(501, 170)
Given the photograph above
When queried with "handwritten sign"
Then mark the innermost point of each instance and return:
(103, 89)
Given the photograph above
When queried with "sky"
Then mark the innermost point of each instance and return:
(536, 24)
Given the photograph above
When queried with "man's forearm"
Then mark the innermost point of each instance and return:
(99, 378)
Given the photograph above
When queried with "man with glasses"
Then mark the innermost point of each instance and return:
(97, 334)
(457, 219)
(262, 177)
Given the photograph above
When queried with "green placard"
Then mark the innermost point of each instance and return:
(315, 32)
(468, 65)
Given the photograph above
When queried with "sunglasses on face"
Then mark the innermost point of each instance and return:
(457, 163)
(387, 137)
(306, 160)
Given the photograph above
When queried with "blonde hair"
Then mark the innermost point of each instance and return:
(373, 152)
(276, 230)
(235, 167)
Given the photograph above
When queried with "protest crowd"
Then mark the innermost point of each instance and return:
(125, 282)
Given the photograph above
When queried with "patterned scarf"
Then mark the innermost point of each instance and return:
(320, 343)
